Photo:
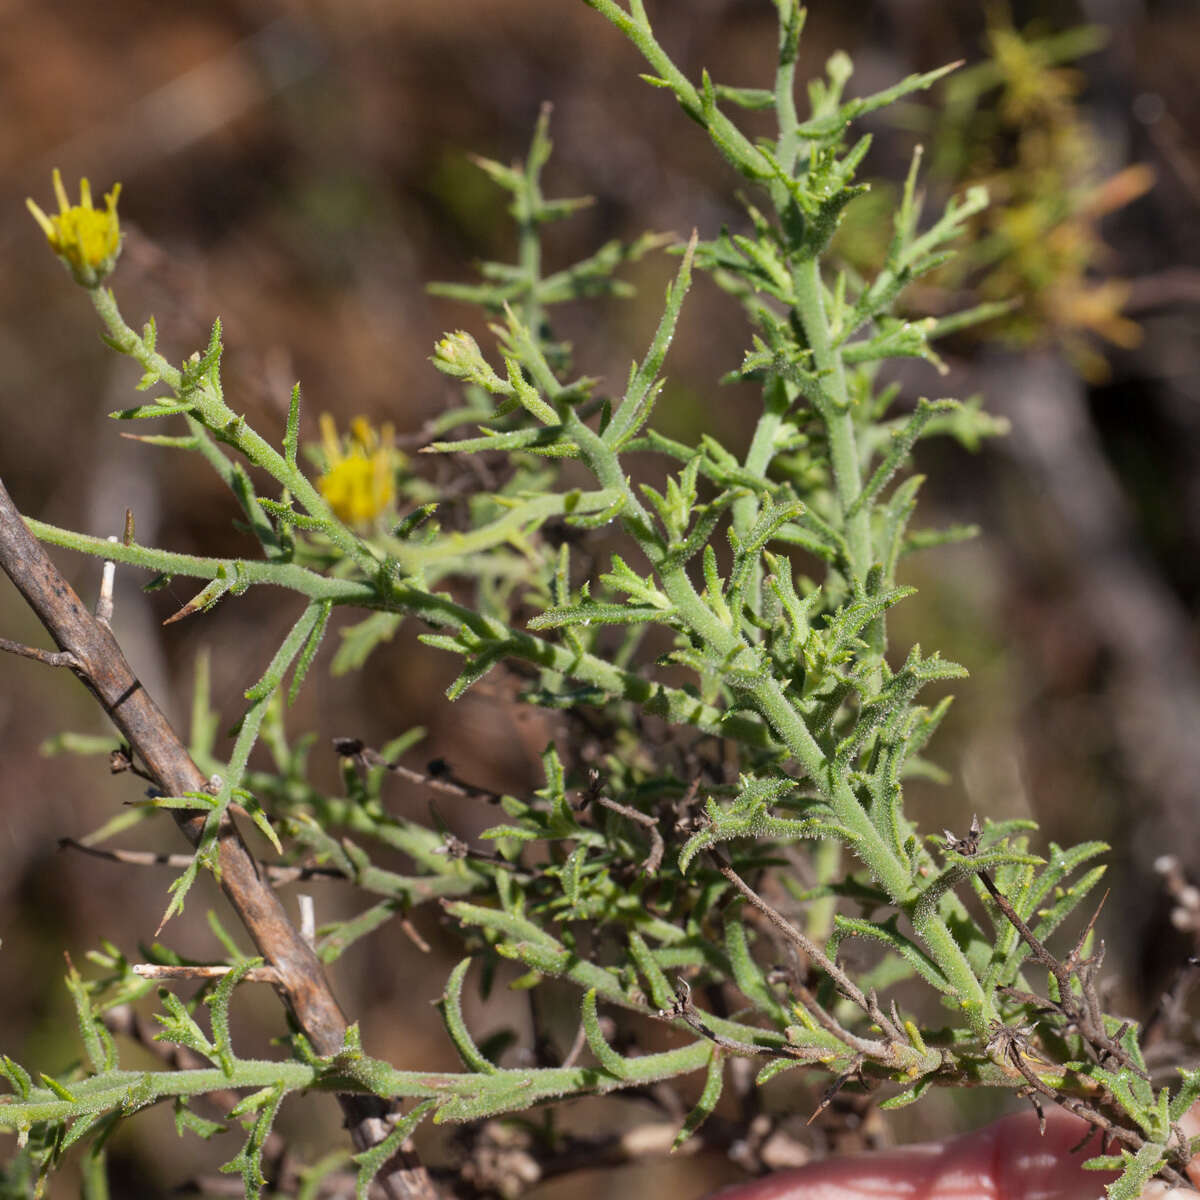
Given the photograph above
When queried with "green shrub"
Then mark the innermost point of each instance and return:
(734, 703)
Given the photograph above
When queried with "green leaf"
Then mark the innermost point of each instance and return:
(622, 579)
(662, 994)
(592, 613)
(360, 640)
(218, 1003)
(256, 813)
(900, 447)
(371, 1162)
(606, 1056)
(249, 1159)
(714, 1080)
(910, 1095)
(748, 975)
(179, 1026)
(160, 408)
(97, 1041)
(1138, 1170)
(309, 652)
(59, 1089)
(1187, 1095)
(751, 98)
(337, 938)
(16, 1075)
(291, 437)
(635, 406)
(456, 1026)
(887, 933)
(776, 1066)
(179, 887)
(749, 816)
(192, 1122)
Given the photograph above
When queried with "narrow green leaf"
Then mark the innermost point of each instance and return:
(900, 447)
(359, 641)
(179, 1026)
(714, 1080)
(887, 933)
(160, 408)
(457, 1027)
(97, 1041)
(218, 1003)
(634, 408)
(336, 939)
(16, 1075)
(309, 652)
(59, 1089)
(291, 437)
(606, 1056)
(748, 974)
(662, 994)
(1187, 1095)
(910, 1095)
(192, 1122)
(1139, 1169)
(371, 1162)
(248, 1162)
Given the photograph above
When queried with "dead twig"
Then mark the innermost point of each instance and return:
(201, 972)
(1011, 1043)
(49, 658)
(437, 778)
(594, 795)
(684, 1010)
(869, 1004)
(1080, 1007)
(148, 858)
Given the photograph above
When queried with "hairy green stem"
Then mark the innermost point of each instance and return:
(891, 871)
(787, 144)
(223, 422)
(837, 417)
(758, 459)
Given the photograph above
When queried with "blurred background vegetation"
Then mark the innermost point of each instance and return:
(300, 169)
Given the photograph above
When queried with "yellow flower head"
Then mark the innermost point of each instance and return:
(87, 239)
(359, 477)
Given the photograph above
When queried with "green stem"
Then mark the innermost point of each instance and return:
(728, 137)
(126, 341)
(133, 1090)
(891, 871)
(250, 571)
(94, 1170)
(758, 459)
(838, 419)
(529, 241)
(785, 102)
(409, 558)
(439, 610)
(508, 1090)
(228, 426)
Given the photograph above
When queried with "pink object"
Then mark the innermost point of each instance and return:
(1007, 1160)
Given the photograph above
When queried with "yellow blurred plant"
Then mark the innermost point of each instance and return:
(1041, 161)
(358, 480)
(1014, 124)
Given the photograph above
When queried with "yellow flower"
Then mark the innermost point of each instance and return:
(87, 239)
(359, 477)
